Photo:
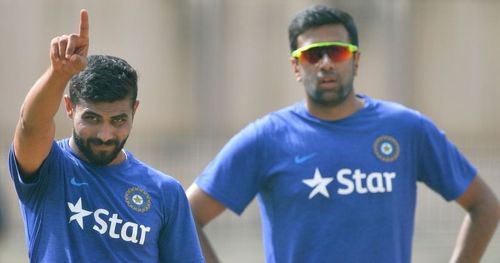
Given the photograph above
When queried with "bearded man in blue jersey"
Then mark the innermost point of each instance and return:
(87, 199)
(336, 175)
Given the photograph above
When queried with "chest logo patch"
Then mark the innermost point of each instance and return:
(386, 148)
(108, 223)
(138, 199)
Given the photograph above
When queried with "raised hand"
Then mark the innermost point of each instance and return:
(68, 53)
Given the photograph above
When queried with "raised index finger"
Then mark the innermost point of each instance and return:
(84, 24)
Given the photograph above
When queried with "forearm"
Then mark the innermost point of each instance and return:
(206, 247)
(476, 232)
(35, 130)
(43, 100)
(205, 209)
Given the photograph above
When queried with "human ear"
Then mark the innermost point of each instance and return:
(69, 106)
(136, 105)
(295, 69)
(357, 55)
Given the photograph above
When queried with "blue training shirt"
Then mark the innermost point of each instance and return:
(129, 212)
(337, 191)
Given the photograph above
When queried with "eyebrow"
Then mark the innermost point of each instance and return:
(123, 115)
(89, 112)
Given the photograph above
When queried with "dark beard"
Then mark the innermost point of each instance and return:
(341, 97)
(326, 98)
(99, 159)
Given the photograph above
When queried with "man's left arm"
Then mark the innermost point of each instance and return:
(483, 213)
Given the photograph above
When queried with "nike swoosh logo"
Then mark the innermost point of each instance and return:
(75, 183)
(300, 159)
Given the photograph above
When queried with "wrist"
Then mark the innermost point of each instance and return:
(58, 74)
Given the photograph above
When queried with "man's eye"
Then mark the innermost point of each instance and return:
(119, 120)
(90, 118)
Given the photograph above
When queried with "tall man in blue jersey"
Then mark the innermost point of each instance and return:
(86, 199)
(336, 175)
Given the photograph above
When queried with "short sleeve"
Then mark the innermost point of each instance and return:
(178, 238)
(441, 165)
(233, 177)
(26, 190)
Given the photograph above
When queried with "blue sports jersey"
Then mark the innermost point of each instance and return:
(129, 212)
(337, 191)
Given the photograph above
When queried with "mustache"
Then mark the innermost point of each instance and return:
(97, 141)
(329, 74)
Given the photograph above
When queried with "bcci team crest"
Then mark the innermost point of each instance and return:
(386, 148)
(138, 199)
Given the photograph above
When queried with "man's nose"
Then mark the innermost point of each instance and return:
(325, 63)
(106, 133)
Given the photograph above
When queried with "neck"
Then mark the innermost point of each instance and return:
(332, 113)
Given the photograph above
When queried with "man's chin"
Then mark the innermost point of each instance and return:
(330, 101)
(101, 158)
(102, 148)
(100, 162)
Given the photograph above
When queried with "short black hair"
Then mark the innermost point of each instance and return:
(319, 15)
(105, 79)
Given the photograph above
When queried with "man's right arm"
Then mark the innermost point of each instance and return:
(35, 129)
(204, 209)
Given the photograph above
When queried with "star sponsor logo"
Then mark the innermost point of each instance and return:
(299, 159)
(318, 184)
(106, 223)
(351, 182)
(386, 148)
(138, 199)
(80, 213)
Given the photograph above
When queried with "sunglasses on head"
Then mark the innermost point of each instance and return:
(336, 51)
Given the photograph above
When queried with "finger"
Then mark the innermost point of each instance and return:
(72, 42)
(84, 23)
(63, 43)
(54, 48)
(78, 61)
